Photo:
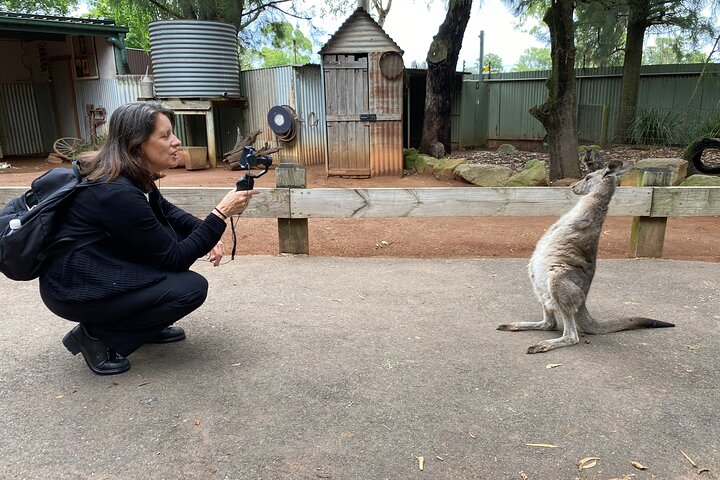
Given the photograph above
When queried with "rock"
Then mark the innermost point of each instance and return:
(422, 164)
(533, 175)
(484, 175)
(699, 180)
(444, 168)
(677, 166)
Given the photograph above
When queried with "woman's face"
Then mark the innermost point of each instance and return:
(161, 147)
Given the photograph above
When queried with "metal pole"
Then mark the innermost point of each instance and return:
(482, 47)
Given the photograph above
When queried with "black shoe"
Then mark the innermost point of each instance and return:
(168, 335)
(101, 359)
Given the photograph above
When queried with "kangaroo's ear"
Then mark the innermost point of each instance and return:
(612, 167)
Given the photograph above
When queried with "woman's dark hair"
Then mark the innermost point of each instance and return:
(130, 125)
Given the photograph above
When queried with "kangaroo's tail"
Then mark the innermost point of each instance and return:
(620, 324)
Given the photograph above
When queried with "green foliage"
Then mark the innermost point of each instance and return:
(707, 128)
(47, 7)
(130, 15)
(672, 127)
(671, 50)
(248, 16)
(601, 27)
(534, 58)
(492, 62)
(281, 44)
(600, 34)
(506, 148)
(657, 127)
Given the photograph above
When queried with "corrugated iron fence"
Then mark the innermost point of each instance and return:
(673, 97)
(299, 87)
(20, 131)
(493, 111)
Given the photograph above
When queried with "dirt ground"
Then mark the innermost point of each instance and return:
(689, 238)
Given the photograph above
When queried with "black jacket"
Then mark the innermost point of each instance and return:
(146, 238)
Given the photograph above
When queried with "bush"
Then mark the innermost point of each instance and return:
(707, 128)
(655, 127)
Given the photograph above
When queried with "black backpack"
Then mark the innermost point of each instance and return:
(25, 250)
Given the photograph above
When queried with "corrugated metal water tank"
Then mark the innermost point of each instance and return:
(194, 59)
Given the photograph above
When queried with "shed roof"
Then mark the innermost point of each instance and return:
(360, 34)
(26, 26)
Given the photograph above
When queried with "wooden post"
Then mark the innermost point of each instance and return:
(648, 233)
(210, 129)
(292, 232)
(604, 126)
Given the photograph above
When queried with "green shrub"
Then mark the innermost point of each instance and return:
(708, 127)
(652, 126)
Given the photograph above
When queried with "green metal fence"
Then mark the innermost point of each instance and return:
(676, 104)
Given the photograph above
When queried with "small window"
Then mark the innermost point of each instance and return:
(85, 57)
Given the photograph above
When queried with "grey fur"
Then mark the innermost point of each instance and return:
(563, 266)
(592, 160)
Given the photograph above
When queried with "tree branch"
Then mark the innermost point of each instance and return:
(165, 8)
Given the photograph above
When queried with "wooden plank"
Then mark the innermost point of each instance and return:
(350, 172)
(200, 201)
(453, 202)
(379, 117)
(686, 202)
(628, 201)
(273, 203)
(188, 105)
(290, 175)
(345, 65)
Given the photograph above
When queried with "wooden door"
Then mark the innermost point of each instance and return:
(346, 100)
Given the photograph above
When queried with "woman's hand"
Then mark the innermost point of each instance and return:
(235, 202)
(216, 254)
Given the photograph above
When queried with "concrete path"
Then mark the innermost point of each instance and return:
(325, 368)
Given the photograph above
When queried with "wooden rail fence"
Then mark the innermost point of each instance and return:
(649, 205)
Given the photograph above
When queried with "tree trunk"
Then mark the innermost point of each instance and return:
(558, 114)
(442, 60)
(382, 12)
(639, 11)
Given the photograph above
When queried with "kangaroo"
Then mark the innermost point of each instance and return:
(563, 265)
(592, 160)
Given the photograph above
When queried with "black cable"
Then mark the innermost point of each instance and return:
(234, 238)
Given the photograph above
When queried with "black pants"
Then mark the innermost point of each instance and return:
(124, 322)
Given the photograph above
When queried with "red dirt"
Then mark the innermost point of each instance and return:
(687, 238)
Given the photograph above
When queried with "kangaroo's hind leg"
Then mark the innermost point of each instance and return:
(569, 298)
(547, 323)
(569, 337)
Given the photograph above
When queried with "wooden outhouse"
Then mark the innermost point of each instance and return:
(362, 71)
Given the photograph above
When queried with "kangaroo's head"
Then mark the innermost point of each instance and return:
(605, 177)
